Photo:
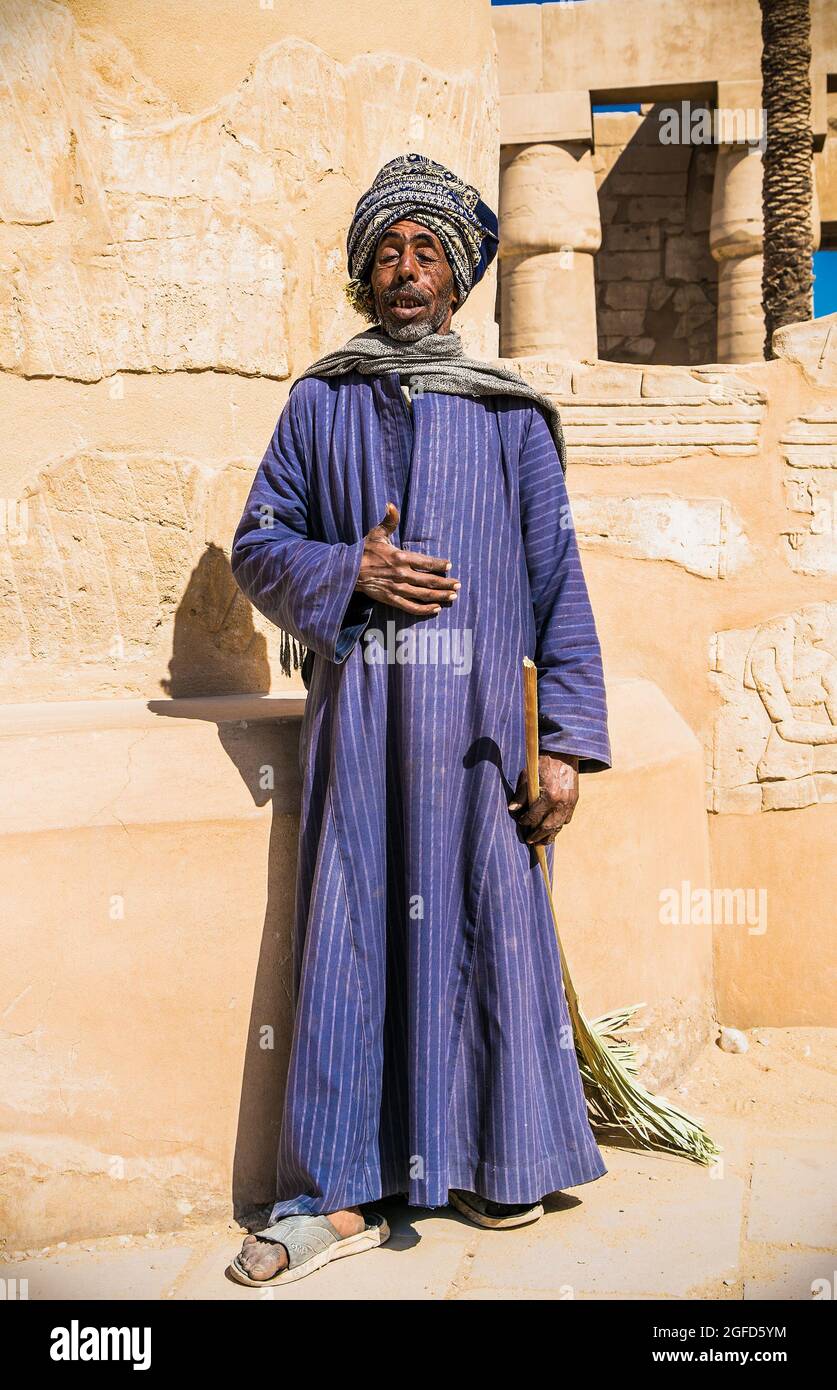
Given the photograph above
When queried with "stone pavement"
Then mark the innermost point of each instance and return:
(761, 1224)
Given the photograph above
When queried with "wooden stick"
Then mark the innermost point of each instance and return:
(616, 1093)
(530, 716)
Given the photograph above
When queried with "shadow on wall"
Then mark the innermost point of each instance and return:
(656, 279)
(217, 651)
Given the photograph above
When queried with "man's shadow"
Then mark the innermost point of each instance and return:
(216, 650)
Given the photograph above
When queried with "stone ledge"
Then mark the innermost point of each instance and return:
(93, 764)
(545, 116)
(66, 716)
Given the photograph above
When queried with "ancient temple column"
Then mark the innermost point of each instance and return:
(736, 239)
(549, 231)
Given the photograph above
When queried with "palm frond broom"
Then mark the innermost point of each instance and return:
(607, 1062)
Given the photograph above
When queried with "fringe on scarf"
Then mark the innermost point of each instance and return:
(291, 654)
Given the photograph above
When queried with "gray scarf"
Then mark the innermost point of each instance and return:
(439, 363)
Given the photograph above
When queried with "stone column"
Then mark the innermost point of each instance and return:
(736, 240)
(549, 231)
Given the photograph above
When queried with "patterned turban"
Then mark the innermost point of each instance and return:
(415, 187)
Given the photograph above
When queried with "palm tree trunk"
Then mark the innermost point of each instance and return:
(787, 280)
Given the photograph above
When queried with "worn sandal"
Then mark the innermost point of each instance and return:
(311, 1242)
(495, 1215)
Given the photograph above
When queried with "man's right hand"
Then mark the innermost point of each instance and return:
(403, 578)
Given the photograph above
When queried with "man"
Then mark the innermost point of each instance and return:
(417, 552)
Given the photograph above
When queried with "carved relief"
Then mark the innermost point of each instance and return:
(142, 239)
(809, 450)
(774, 745)
(617, 414)
(119, 564)
(703, 536)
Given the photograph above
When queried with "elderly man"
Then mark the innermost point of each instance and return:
(408, 529)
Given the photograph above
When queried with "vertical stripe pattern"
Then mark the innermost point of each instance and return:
(432, 1046)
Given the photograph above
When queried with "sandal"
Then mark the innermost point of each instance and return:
(311, 1242)
(495, 1215)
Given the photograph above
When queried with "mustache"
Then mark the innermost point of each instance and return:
(414, 296)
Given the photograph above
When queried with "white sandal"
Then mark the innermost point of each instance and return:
(311, 1242)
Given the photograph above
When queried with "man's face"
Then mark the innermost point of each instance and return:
(414, 289)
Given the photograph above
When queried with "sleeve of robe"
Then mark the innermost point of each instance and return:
(571, 692)
(303, 584)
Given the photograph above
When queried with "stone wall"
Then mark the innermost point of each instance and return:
(174, 200)
(166, 268)
(664, 210)
(656, 281)
(705, 501)
(175, 189)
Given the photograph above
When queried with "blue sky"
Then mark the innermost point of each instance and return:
(825, 283)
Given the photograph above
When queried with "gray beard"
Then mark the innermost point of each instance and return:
(412, 332)
(409, 332)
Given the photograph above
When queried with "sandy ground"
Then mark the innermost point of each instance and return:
(759, 1224)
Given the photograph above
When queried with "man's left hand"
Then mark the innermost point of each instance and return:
(558, 775)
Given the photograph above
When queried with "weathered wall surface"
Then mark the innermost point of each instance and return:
(172, 254)
(173, 206)
(706, 503)
(175, 190)
(557, 47)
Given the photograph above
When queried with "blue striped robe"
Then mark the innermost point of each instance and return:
(432, 1046)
